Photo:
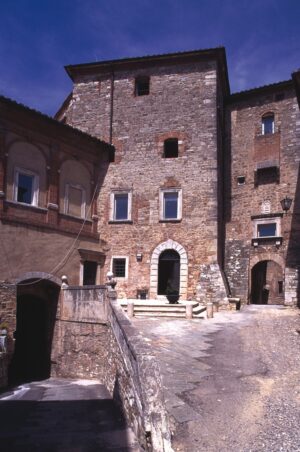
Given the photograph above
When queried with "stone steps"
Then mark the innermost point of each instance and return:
(157, 308)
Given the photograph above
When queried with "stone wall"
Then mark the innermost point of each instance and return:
(182, 103)
(7, 316)
(111, 350)
(248, 151)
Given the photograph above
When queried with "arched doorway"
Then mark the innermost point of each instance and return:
(267, 283)
(36, 312)
(169, 275)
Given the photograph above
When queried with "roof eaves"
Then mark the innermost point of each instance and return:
(53, 121)
(240, 95)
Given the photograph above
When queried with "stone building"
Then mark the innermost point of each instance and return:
(153, 170)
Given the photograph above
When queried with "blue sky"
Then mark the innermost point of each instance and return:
(39, 37)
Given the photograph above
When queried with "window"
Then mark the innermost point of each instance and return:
(121, 206)
(267, 124)
(266, 230)
(171, 148)
(75, 200)
(89, 273)
(241, 180)
(26, 187)
(142, 86)
(266, 226)
(170, 204)
(119, 267)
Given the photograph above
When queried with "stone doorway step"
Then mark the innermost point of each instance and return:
(157, 308)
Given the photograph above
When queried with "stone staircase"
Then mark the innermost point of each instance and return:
(158, 308)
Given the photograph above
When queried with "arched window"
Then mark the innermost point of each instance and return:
(267, 124)
(171, 148)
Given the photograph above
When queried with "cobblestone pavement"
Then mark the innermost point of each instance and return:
(59, 415)
(231, 383)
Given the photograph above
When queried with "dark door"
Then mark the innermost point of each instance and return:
(89, 273)
(267, 283)
(169, 274)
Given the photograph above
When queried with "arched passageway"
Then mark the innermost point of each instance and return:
(169, 275)
(36, 313)
(267, 283)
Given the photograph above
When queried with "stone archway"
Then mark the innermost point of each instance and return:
(183, 273)
(266, 282)
(36, 311)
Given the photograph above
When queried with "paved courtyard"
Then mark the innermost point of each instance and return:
(231, 383)
(59, 415)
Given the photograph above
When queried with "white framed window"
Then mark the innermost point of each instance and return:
(170, 204)
(75, 201)
(267, 227)
(119, 266)
(26, 187)
(268, 124)
(120, 206)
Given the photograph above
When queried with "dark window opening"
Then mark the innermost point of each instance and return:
(89, 273)
(25, 188)
(266, 230)
(241, 180)
(119, 267)
(171, 148)
(142, 86)
(280, 287)
(264, 176)
(121, 207)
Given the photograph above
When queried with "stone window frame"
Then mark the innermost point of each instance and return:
(112, 218)
(162, 192)
(122, 278)
(266, 219)
(83, 199)
(35, 186)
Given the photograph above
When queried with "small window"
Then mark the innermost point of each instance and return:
(75, 201)
(170, 204)
(121, 207)
(119, 267)
(267, 124)
(171, 148)
(142, 86)
(89, 273)
(266, 230)
(26, 187)
(241, 180)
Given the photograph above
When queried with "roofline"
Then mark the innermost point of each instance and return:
(296, 80)
(42, 116)
(243, 95)
(218, 53)
(63, 106)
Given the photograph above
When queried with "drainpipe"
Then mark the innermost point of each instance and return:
(112, 83)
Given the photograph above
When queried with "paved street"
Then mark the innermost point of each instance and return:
(59, 415)
(231, 383)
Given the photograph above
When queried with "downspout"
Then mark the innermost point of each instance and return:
(112, 83)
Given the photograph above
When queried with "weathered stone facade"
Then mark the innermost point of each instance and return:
(262, 170)
(185, 96)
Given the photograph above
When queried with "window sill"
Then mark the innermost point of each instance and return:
(24, 205)
(170, 220)
(72, 217)
(259, 240)
(267, 215)
(120, 222)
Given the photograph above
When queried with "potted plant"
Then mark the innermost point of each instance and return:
(172, 294)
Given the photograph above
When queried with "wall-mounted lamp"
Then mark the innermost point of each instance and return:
(286, 204)
(139, 257)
